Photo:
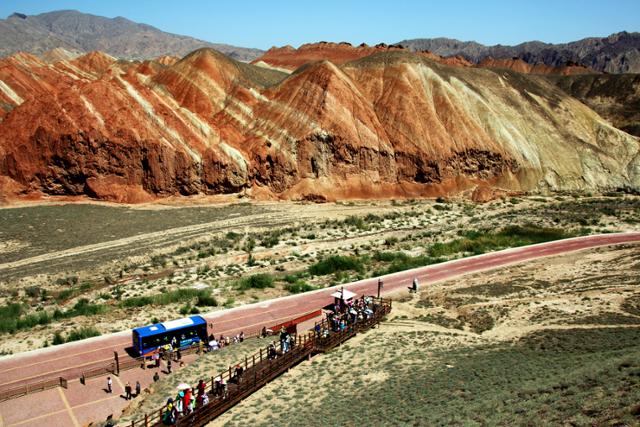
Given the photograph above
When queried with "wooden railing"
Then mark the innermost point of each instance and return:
(32, 388)
(258, 369)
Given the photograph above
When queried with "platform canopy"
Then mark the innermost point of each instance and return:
(345, 294)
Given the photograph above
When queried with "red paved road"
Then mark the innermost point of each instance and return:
(71, 359)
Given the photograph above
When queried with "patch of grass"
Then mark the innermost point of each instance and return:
(299, 287)
(401, 261)
(578, 377)
(13, 317)
(202, 297)
(82, 333)
(257, 281)
(479, 242)
(336, 263)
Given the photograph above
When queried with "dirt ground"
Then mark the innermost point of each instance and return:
(54, 255)
(590, 290)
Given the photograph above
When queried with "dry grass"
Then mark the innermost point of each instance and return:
(564, 352)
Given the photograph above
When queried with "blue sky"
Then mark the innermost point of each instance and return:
(263, 24)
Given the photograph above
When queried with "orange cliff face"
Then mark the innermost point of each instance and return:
(385, 125)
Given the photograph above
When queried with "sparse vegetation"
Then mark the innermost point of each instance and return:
(257, 281)
(364, 239)
(336, 263)
(201, 297)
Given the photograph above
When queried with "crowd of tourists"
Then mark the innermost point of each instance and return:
(347, 313)
(188, 399)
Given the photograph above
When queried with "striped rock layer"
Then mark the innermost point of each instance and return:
(390, 124)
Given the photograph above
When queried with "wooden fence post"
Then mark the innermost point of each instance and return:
(115, 355)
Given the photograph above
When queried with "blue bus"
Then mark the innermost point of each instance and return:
(177, 333)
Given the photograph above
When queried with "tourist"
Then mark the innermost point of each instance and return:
(283, 339)
(414, 285)
(169, 417)
(138, 387)
(169, 366)
(241, 336)
(156, 377)
(223, 387)
(187, 400)
(238, 373)
(109, 385)
(263, 334)
(127, 391)
(213, 345)
(271, 351)
(201, 387)
(216, 385)
(179, 403)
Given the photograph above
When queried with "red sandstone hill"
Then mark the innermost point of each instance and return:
(517, 64)
(288, 59)
(389, 124)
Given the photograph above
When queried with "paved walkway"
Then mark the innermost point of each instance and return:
(80, 404)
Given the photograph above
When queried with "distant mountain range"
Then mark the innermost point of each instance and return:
(618, 53)
(120, 37)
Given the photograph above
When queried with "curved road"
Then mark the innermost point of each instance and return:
(71, 359)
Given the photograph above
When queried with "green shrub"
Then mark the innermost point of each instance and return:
(299, 287)
(257, 281)
(84, 308)
(82, 333)
(202, 297)
(57, 339)
(206, 300)
(336, 263)
(478, 242)
(355, 221)
(137, 302)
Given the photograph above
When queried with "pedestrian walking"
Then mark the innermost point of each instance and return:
(138, 388)
(109, 385)
(127, 391)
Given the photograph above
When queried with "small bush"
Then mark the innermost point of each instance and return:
(82, 333)
(57, 339)
(336, 263)
(299, 287)
(257, 281)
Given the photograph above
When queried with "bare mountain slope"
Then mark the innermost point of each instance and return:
(617, 53)
(387, 125)
(119, 37)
